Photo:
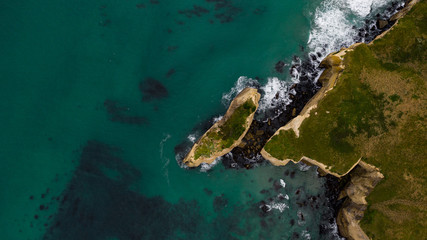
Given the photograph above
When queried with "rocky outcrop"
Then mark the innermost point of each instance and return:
(216, 150)
(333, 65)
(363, 179)
(396, 17)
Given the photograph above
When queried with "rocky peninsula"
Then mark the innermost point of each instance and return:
(228, 132)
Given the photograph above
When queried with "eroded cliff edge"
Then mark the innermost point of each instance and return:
(228, 132)
(373, 107)
(362, 181)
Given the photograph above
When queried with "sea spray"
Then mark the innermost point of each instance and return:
(335, 24)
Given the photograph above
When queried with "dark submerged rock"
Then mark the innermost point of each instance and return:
(220, 202)
(207, 191)
(280, 65)
(97, 206)
(120, 113)
(152, 89)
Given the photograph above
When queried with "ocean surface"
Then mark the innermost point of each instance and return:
(96, 95)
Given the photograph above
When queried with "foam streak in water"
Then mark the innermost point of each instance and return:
(166, 160)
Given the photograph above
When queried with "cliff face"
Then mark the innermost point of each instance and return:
(374, 109)
(227, 133)
(363, 179)
(286, 145)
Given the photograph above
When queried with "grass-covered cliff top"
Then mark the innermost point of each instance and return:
(376, 111)
(227, 133)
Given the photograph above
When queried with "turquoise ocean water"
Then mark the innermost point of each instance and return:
(95, 95)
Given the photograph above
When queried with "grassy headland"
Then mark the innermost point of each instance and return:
(377, 111)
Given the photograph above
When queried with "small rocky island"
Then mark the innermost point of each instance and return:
(228, 132)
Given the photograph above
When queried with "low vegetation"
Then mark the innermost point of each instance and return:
(227, 133)
(377, 111)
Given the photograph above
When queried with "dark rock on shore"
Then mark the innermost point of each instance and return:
(381, 23)
(248, 155)
(280, 65)
(306, 70)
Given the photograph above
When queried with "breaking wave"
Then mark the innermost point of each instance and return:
(274, 93)
(335, 24)
(205, 167)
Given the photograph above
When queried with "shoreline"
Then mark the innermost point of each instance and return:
(362, 177)
(333, 69)
(352, 210)
(248, 154)
(333, 64)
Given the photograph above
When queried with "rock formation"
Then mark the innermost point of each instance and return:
(363, 179)
(211, 145)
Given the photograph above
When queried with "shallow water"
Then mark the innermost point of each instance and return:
(96, 95)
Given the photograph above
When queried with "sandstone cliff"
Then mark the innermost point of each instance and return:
(363, 179)
(368, 65)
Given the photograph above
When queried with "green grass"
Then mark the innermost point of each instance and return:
(377, 111)
(394, 97)
(354, 110)
(227, 133)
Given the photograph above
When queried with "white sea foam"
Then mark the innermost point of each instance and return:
(333, 21)
(282, 183)
(275, 93)
(216, 119)
(242, 83)
(192, 137)
(306, 235)
(204, 167)
(332, 28)
(333, 227)
(303, 167)
(280, 195)
(179, 157)
(279, 206)
(364, 7)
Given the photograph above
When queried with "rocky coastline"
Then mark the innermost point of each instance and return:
(350, 189)
(310, 70)
(362, 180)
